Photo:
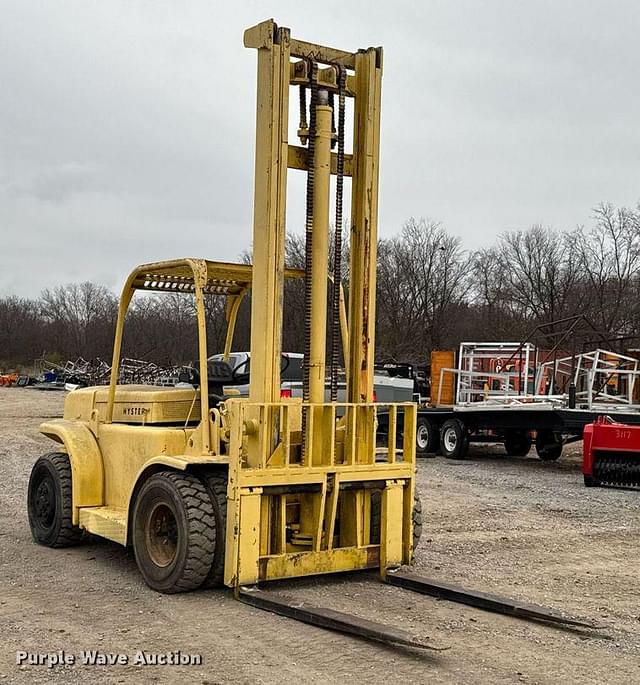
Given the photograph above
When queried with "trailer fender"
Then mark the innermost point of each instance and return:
(87, 474)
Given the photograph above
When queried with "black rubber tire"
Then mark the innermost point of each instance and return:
(454, 440)
(216, 484)
(190, 506)
(49, 503)
(591, 482)
(376, 511)
(517, 443)
(416, 514)
(548, 447)
(427, 436)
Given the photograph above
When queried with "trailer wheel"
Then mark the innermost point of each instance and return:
(517, 443)
(548, 446)
(49, 503)
(216, 484)
(590, 481)
(427, 437)
(454, 441)
(173, 532)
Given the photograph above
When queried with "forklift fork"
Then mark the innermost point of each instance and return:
(349, 624)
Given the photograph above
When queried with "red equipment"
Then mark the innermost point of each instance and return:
(611, 453)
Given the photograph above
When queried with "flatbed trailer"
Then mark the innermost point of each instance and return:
(450, 430)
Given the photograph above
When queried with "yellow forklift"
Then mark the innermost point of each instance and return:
(215, 489)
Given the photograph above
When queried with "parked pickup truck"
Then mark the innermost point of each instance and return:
(386, 388)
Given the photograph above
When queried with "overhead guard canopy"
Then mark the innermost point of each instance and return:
(179, 275)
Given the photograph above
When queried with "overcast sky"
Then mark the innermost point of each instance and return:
(127, 127)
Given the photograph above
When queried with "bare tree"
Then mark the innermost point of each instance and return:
(422, 279)
(539, 273)
(610, 261)
(80, 314)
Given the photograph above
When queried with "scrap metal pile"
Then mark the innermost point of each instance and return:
(148, 373)
(79, 372)
(83, 373)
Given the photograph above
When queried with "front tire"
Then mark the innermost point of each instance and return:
(216, 484)
(454, 441)
(49, 502)
(173, 532)
(416, 515)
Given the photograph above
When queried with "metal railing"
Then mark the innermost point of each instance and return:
(600, 378)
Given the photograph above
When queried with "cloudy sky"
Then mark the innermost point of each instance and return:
(127, 126)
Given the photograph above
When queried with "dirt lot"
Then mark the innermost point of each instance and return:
(513, 526)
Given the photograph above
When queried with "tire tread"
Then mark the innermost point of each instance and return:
(68, 535)
(216, 483)
(201, 525)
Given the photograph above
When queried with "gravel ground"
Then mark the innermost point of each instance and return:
(517, 527)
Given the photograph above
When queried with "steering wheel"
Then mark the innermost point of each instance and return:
(193, 375)
(236, 375)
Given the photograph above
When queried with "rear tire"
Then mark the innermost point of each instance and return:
(173, 532)
(216, 484)
(454, 441)
(427, 437)
(548, 447)
(517, 443)
(590, 482)
(49, 502)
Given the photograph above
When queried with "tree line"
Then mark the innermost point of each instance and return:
(432, 293)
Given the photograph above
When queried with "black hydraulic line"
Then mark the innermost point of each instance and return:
(332, 620)
(483, 600)
(333, 119)
(337, 252)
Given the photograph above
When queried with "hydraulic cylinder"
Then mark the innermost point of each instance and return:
(320, 249)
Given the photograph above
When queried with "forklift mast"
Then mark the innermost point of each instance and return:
(312, 490)
(356, 76)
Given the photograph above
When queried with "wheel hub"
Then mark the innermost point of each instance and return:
(45, 502)
(161, 534)
(450, 439)
(422, 436)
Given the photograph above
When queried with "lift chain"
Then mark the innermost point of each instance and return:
(337, 252)
(308, 250)
(303, 126)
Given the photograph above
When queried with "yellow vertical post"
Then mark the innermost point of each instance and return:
(364, 222)
(249, 536)
(125, 300)
(233, 305)
(200, 278)
(272, 117)
(391, 542)
(344, 328)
